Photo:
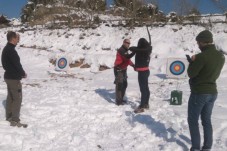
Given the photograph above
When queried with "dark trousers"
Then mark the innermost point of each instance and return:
(14, 99)
(121, 84)
(144, 88)
(201, 105)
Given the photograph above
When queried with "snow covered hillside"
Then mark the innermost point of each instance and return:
(76, 111)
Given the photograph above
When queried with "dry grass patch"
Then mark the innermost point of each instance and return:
(76, 63)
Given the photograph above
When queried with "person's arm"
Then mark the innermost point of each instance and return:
(118, 60)
(126, 54)
(195, 67)
(137, 50)
(15, 59)
(131, 64)
(131, 55)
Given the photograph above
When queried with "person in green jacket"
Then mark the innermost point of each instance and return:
(203, 72)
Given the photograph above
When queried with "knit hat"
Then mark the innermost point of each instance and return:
(205, 36)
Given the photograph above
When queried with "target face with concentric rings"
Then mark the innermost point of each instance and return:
(62, 63)
(177, 67)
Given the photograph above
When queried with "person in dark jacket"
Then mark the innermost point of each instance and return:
(120, 71)
(203, 72)
(142, 60)
(12, 76)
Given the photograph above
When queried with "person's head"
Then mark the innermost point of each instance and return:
(143, 43)
(126, 43)
(204, 38)
(13, 37)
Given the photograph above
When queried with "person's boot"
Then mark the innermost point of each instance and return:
(206, 150)
(9, 119)
(146, 107)
(194, 149)
(125, 101)
(119, 103)
(18, 124)
(139, 110)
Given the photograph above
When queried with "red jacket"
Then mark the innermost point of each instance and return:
(123, 58)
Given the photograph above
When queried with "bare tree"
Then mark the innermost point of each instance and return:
(130, 6)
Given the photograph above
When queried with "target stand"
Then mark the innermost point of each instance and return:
(176, 69)
(62, 64)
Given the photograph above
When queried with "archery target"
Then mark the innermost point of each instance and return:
(176, 68)
(62, 64)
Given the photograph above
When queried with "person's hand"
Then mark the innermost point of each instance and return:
(25, 76)
(193, 58)
(132, 48)
(117, 68)
(134, 67)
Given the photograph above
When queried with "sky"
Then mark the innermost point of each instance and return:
(12, 8)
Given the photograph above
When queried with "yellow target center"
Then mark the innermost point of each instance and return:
(177, 68)
(62, 63)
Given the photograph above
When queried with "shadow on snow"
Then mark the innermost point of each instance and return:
(4, 103)
(159, 129)
(161, 76)
(108, 95)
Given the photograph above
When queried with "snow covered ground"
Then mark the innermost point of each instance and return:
(75, 111)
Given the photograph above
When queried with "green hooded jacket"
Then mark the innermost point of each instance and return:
(205, 70)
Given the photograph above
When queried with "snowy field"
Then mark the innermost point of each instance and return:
(76, 111)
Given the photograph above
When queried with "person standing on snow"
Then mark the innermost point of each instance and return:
(120, 71)
(203, 72)
(14, 72)
(142, 60)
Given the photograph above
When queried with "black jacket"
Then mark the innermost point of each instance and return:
(11, 63)
(143, 51)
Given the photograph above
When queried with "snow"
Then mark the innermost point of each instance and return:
(15, 22)
(75, 111)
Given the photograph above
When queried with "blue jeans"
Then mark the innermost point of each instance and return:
(201, 104)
